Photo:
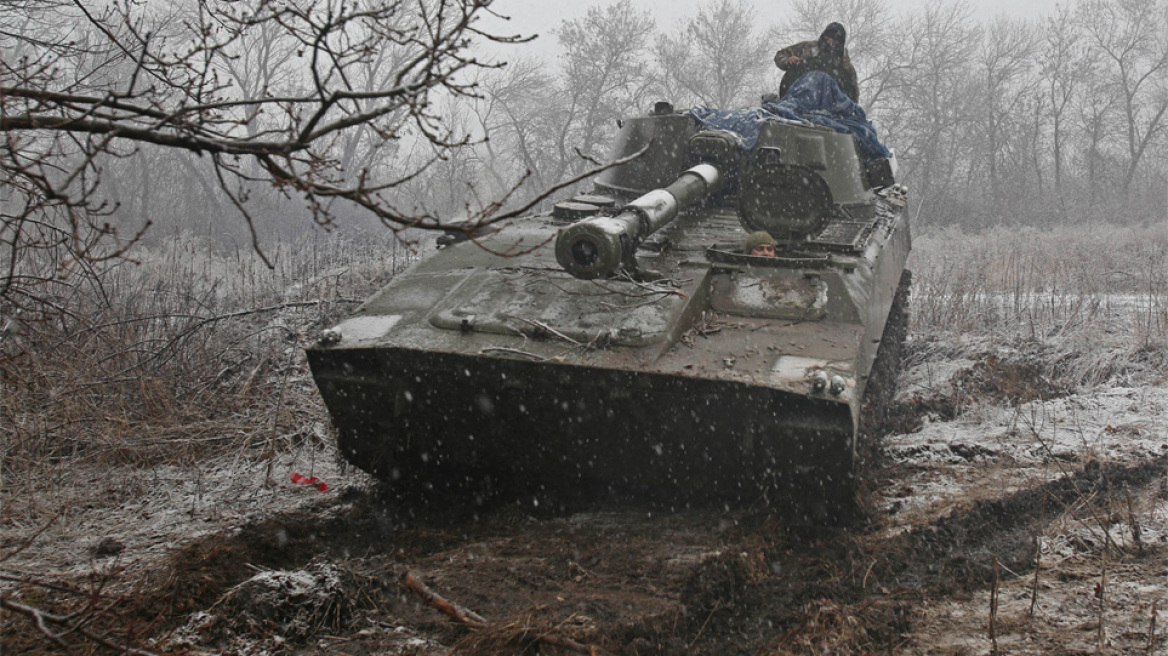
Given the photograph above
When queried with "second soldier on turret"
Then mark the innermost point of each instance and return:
(827, 54)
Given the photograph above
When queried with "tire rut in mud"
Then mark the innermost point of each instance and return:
(738, 583)
(957, 552)
(993, 378)
(851, 593)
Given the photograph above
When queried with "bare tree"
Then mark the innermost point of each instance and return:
(605, 74)
(929, 113)
(518, 114)
(450, 187)
(1131, 38)
(1002, 60)
(82, 84)
(1062, 62)
(551, 126)
(1096, 119)
(717, 58)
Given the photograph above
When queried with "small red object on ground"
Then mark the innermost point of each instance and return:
(309, 480)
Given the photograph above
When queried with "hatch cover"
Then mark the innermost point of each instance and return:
(773, 294)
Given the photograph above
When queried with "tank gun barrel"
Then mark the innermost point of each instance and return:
(600, 246)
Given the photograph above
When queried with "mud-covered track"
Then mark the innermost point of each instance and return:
(705, 582)
(958, 551)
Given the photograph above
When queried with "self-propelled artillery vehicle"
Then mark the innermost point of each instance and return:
(623, 346)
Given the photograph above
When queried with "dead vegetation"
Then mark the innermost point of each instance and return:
(185, 353)
(1091, 300)
(192, 358)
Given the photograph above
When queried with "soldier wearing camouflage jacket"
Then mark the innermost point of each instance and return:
(826, 54)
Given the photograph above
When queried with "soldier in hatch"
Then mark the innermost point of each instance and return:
(827, 54)
(760, 244)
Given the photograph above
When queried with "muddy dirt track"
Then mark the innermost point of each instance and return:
(979, 484)
(634, 582)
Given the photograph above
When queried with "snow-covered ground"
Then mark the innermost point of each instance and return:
(993, 450)
(75, 521)
(142, 515)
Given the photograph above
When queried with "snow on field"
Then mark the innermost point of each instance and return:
(131, 517)
(78, 520)
(991, 449)
(1085, 597)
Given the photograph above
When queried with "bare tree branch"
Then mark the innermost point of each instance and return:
(332, 75)
(43, 618)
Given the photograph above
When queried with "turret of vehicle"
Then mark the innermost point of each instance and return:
(623, 347)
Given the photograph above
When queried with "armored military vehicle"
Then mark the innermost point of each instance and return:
(623, 346)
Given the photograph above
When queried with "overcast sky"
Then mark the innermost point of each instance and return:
(542, 16)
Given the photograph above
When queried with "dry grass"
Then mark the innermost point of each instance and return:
(1095, 298)
(191, 350)
(184, 352)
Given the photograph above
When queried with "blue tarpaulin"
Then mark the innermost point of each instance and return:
(814, 98)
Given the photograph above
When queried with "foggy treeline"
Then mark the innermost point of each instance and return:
(203, 123)
(995, 120)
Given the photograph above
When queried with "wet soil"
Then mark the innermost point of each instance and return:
(1066, 557)
(631, 581)
(1012, 381)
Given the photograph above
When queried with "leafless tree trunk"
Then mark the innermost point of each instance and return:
(1130, 38)
(1002, 59)
(1062, 63)
(717, 57)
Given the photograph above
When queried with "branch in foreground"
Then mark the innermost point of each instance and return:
(476, 622)
(42, 619)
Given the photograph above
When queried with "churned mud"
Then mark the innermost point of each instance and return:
(1008, 514)
(626, 581)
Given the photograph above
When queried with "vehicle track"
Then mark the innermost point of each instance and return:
(635, 582)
